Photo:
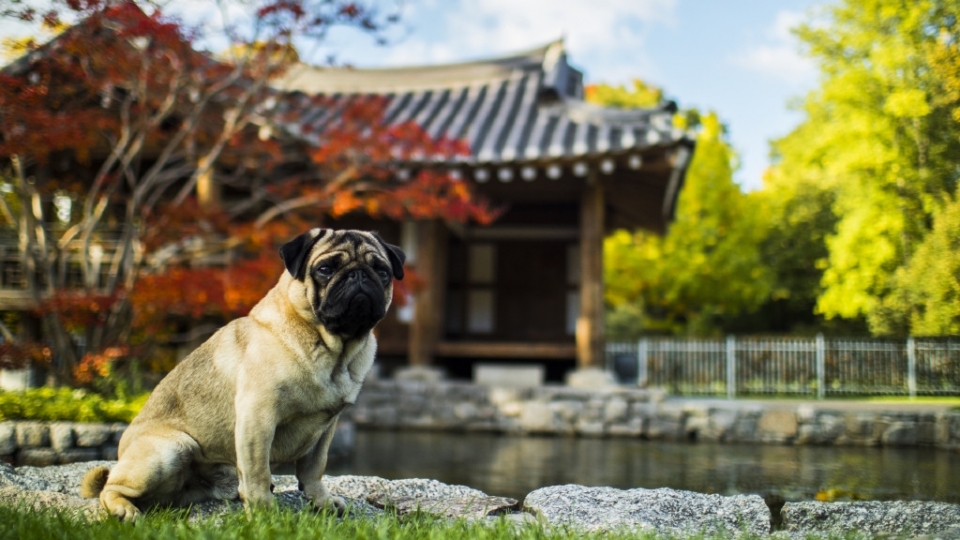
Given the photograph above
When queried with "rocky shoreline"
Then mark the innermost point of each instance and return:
(668, 512)
(647, 413)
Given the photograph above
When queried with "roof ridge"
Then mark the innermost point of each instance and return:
(319, 79)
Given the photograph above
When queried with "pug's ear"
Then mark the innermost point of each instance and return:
(294, 253)
(395, 255)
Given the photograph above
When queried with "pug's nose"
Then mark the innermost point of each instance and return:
(357, 275)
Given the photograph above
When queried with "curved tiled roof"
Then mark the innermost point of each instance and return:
(525, 107)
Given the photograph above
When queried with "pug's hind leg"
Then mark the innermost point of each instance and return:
(152, 470)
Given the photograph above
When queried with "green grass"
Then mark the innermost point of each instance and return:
(950, 401)
(277, 524)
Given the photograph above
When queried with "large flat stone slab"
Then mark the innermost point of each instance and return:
(445, 507)
(666, 511)
(871, 518)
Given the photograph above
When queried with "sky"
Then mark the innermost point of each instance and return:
(735, 57)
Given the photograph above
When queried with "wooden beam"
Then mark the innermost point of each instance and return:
(590, 321)
(428, 310)
(523, 232)
(499, 349)
(16, 300)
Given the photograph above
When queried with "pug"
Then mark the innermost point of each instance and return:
(265, 389)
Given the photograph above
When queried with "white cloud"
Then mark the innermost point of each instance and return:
(611, 30)
(779, 57)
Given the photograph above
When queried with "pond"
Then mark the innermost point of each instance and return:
(513, 466)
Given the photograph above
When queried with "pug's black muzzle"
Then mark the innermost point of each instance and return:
(354, 304)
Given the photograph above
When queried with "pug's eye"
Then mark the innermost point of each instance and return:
(384, 275)
(326, 270)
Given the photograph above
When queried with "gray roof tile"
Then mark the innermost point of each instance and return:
(523, 107)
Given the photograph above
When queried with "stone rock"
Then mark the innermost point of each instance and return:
(926, 431)
(697, 427)
(947, 430)
(672, 412)
(615, 410)
(666, 511)
(568, 410)
(831, 427)
(13, 478)
(589, 428)
(61, 436)
(419, 374)
(465, 411)
(37, 457)
(777, 425)
(745, 428)
(860, 429)
(32, 434)
(659, 428)
(900, 434)
(109, 452)
(503, 396)
(509, 376)
(358, 487)
(38, 500)
(537, 417)
(519, 520)
(642, 409)
(808, 434)
(592, 379)
(89, 435)
(633, 428)
(870, 518)
(8, 438)
(77, 455)
(116, 431)
(722, 422)
(62, 478)
(61, 486)
(446, 507)
(819, 427)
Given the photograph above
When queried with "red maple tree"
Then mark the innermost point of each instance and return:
(114, 138)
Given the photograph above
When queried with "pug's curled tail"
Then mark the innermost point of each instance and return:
(93, 482)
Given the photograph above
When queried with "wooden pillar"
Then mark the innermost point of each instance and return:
(428, 312)
(590, 342)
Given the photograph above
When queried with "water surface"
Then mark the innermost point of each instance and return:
(513, 466)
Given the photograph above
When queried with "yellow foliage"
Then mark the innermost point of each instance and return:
(642, 96)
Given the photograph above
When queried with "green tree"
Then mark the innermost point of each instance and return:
(797, 216)
(878, 135)
(642, 95)
(930, 283)
(707, 267)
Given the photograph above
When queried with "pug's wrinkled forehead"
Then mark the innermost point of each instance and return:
(305, 250)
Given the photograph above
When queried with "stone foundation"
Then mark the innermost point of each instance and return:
(630, 412)
(41, 444)
(545, 410)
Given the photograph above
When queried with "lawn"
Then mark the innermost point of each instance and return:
(279, 524)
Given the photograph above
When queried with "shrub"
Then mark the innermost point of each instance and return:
(65, 404)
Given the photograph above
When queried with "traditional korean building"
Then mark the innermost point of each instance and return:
(529, 287)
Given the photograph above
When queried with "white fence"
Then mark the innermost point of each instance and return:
(815, 366)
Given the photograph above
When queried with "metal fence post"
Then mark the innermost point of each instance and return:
(821, 367)
(912, 367)
(643, 351)
(731, 367)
